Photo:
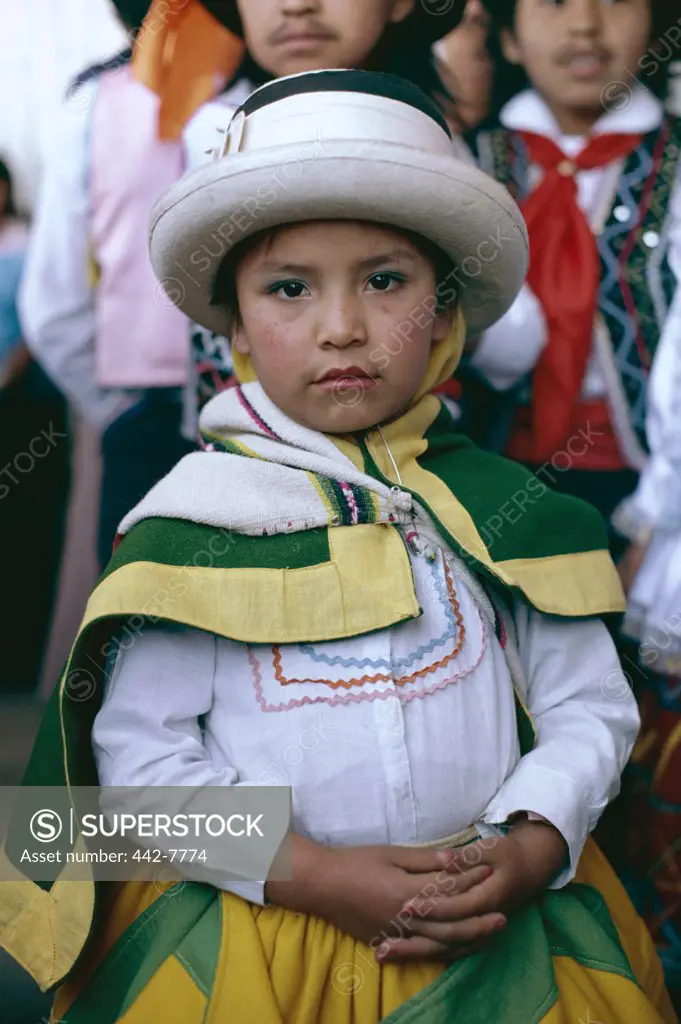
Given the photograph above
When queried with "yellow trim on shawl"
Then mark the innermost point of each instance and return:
(585, 583)
(45, 931)
(340, 598)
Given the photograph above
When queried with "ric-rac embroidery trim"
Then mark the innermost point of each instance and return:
(381, 677)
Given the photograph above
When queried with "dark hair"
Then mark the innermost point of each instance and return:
(224, 287)
(509, 79)
(132, 12)
(94, 71)
(6, 177)
(395, 54)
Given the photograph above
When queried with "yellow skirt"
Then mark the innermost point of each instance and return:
(276, 967)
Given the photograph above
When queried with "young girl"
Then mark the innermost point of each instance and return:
(283, 37)
(581, 138)
(332, 566)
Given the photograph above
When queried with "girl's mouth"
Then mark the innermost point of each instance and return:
(343, 384)
(352, 378)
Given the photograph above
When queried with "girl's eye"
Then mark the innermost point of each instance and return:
(385, 282)
(288, 289)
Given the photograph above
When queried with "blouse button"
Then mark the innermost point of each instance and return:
(622, 214)
(651, 239)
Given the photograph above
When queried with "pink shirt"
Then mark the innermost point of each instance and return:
(141, 338)
(103, 339)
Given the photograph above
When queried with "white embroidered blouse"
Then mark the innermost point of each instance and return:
(400, 737)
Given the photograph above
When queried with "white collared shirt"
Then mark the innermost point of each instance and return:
(401, 737)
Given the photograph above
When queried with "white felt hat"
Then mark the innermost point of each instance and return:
(339, 145)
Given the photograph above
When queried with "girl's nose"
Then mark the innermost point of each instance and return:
(341, 324)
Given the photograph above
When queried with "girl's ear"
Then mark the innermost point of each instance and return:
(443, 323)
(509, 46)
(401, 9)
(239, 339)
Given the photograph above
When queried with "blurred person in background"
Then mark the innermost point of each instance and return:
(581, 137)
(34, 473)
(594, 163)
(285, 37)
(652, 626)
(91, 309)
(465, 67)
(13, 235)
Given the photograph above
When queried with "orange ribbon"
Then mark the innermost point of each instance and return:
(186, 56)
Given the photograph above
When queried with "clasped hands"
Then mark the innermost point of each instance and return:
(478, 886)
(423, 904)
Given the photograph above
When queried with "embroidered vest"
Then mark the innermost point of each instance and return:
(142, 339)
(637, 281)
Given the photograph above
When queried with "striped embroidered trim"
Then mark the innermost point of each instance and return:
(362, 695)
(352, 504)
(246, 405)
(228, 446)
(366, 503)
(345, 504)
(333, 498)
(348, 684)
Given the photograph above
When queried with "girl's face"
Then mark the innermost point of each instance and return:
(578, 52)
(338, 319)
(286, 37)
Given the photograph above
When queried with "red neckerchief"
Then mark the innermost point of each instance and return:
(565, 276)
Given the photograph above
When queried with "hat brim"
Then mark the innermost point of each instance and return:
(463, 211)
(429, 21)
